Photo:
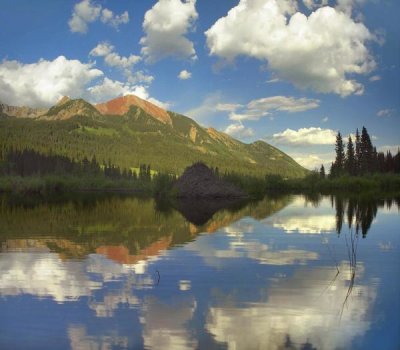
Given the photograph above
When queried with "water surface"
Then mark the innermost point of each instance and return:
(287, 272)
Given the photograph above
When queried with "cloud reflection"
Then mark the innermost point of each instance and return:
(312, 224)
(166, 325)
(80, 340)
(44, 275)
(237, 245)
(297, 310)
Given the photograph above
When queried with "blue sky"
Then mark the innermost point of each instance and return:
(290, 72)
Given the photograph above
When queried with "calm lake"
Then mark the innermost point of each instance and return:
(287, 272)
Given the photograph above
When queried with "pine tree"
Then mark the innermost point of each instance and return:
(358, 153)
(322, 172)
(389, 164)
(333, 171)
(366, 150)
(350, 162)
(340, 157)
(396, 161)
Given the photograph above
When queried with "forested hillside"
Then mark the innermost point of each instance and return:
(77, 130)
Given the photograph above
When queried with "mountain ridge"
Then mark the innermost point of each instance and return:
(122, 104)
(77, 129)
(20, 111)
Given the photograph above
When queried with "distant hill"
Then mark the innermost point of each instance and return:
(20, 112)
(129, 131)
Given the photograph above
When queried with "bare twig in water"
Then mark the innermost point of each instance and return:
(158, 281)
(333, 255)
(330, 283)
(352, 253)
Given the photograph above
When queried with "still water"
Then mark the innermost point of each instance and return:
(126, 273)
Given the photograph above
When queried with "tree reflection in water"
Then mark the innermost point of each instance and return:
(359, 211)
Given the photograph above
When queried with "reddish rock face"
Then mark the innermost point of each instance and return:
(122, 255)
(121, 105)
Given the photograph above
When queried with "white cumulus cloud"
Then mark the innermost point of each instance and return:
(283, 103)
(312, 4)
(125, 63)
(184, 75)
(387, 112)
(324, 120)
(109, 89)
(228, 107)
(305, 136)
(43, 83)
(321, 52)
(375, 78)
(108, 17)
(87, 11)
(256, 109)
(389, 148)
(102, 49)
(239, 130)
(348, 5)
(165, 26)
(111, 58)
(314, 160)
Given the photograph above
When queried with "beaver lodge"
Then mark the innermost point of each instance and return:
(199, 181)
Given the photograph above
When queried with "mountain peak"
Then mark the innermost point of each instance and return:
(121, 105)
(67, 108)
(63, 100)
(21, 112)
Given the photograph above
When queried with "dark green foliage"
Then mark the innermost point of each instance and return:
(357, 152)
(30, 172)
(338, 166)
(322, 172)
(137, 138)
(364, 159)
(350, 162)
(163, 185)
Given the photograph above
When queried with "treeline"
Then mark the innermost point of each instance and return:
(31, 163)
(361, 158)
(28, 171)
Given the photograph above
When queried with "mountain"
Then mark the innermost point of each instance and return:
(67, 108)
(20, 112)
(129, 131)
(121, 105)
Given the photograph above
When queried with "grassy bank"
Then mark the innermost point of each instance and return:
(59, 184)
(161, 185)
(349, 184)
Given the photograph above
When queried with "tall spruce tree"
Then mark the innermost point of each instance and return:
(340, 156)
(350, 162)
(322, 172)
(366, 153)
(357, 153)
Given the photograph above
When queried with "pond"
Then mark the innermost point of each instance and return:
(286, 272)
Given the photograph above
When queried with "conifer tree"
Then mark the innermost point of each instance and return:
(322, 172)
(366, 150)
(357, 153)
(350, 162)
(340, 156)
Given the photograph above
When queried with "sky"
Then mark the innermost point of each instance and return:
(289, 72)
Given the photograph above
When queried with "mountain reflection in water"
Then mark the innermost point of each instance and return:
(130, 273)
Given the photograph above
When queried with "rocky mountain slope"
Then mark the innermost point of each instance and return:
(121, 105)
(21, 112)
